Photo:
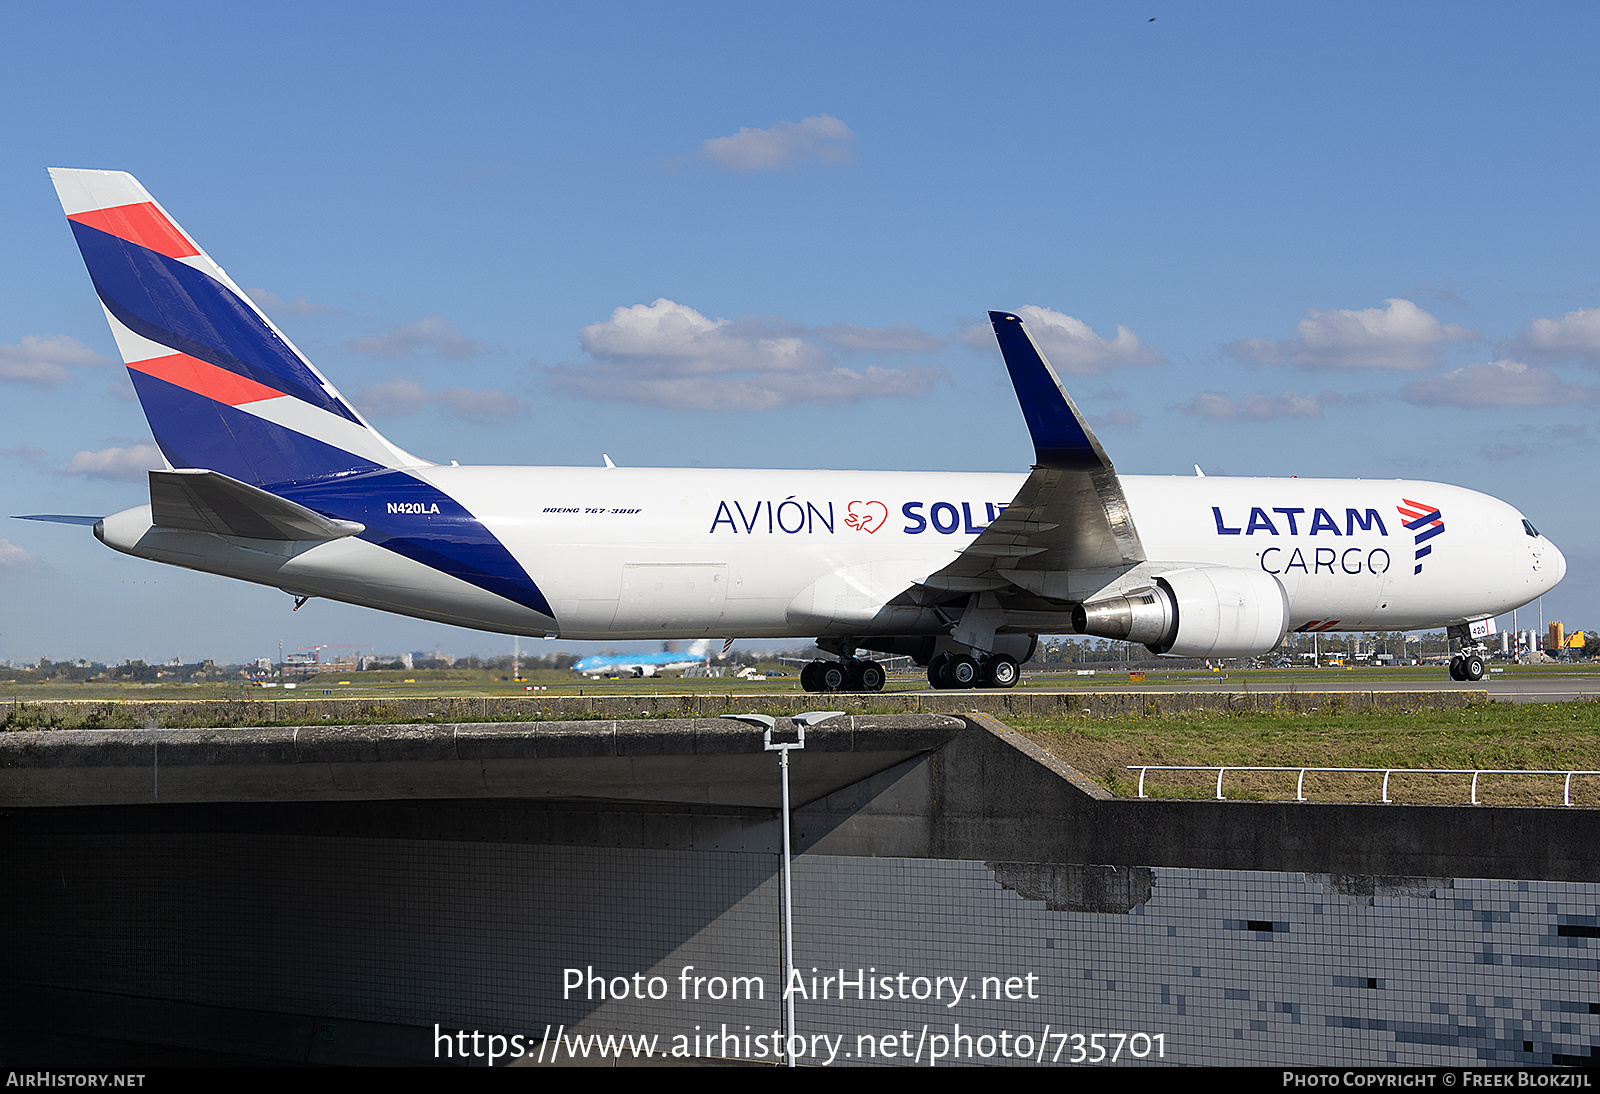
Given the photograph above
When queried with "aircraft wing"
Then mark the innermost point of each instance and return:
(207, 501)
(1070, 515)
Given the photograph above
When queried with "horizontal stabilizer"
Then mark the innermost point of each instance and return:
(58, 518)
(207, 501)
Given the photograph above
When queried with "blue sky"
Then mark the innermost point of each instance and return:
(1330, 240)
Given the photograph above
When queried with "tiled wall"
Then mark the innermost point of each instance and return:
(1210, 966)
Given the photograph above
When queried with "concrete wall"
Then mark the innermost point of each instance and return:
(340, 929)
(914, 786)
(990, 794)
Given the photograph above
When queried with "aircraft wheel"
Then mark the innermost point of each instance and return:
(867, 676)
(832, 676)
(1002, 672)
(936, 672)
(808, 676)
(1472, 668)
(961, 671)
(1455, 669)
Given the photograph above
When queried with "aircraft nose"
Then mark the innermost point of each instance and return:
(1560, 560)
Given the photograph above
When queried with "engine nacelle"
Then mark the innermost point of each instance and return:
(1210, 611)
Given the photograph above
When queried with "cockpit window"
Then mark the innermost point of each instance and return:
(1527, 526)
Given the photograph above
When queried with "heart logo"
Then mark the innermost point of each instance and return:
(866, 516)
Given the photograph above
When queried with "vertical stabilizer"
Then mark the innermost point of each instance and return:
(222, 388)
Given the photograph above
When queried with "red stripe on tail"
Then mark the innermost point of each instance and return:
(202, 378)
(142, 224)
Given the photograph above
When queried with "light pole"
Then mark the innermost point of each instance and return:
(766, 722)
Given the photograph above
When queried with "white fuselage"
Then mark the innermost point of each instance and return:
(674, 553)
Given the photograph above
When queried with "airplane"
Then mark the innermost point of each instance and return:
(273, 477)
(641, 664)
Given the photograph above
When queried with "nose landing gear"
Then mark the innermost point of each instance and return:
(1467, 664)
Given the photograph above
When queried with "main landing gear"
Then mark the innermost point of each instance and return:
(847, 674)
(960, 670)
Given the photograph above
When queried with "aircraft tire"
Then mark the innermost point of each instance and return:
(808, 676)
(961, 671)
(1001, 672)
(936, 666)
(832, 676)
(1472, 668)
(866, 676)
(1455, 669)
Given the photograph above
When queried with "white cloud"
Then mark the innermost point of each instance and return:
(479, 406)
(121, 389)
(403, 398)
(270, 302)
(14, 558)
(1541, 442)
(819, 139)
(668, 354)
(43, 360)
(1258, 407)
(671, 335)
(898, 339)
(1116, 418)
(30, 456)
(1503, 451)
(827, 387)
(1573, 337)
(117, 464)
(435, 335)
(1496, 384)
(1070, 345)
(1107, 393)
(1399, 336)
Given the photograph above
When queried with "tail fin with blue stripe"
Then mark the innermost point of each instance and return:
(222, 388)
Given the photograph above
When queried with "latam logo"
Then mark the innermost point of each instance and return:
(1293, 521)
(1426, 521)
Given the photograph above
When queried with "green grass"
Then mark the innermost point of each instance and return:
(1555, 736)
(1109, 676)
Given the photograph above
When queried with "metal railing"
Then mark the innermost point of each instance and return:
(1300, 785)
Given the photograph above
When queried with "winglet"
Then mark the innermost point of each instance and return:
(1061, 438)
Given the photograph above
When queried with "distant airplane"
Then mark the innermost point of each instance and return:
(275, 478)
(641, 664)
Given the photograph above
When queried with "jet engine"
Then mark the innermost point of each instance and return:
(1211, 611)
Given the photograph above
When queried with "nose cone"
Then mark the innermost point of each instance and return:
(1558, 569)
